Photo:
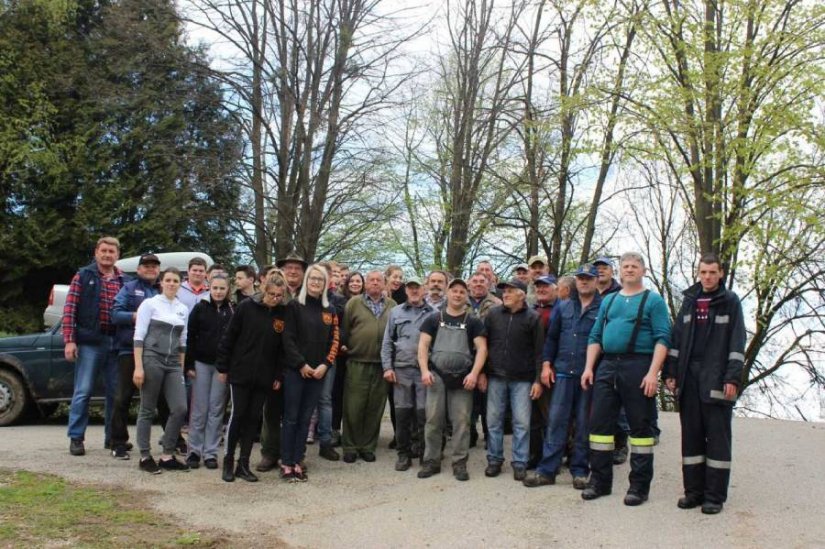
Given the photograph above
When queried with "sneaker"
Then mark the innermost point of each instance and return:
(329, 453)
(172, 464)
(210, 463)
(350, 457)
(492, 470)
(460, 472)
(429, 469)
(148, 465)
(634, 498)
(287, 473)
(592, 492)
(537, 479)
(311, 438)
(689, 502)
(519, 472)
(120, 453)
(76, 447)
(193, 460)
(579, 483)
(403, 463)
(299, 475)
(711, 508)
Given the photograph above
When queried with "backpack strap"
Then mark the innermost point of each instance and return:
(631, 345)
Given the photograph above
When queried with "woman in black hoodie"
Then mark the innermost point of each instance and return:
(207, 323)
(250, 354)
(311, 345)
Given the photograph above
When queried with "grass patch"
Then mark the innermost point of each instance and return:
(39, 510)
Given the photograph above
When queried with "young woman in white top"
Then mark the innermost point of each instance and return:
(160, 344)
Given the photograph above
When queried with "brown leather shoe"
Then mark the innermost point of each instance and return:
(266, 464)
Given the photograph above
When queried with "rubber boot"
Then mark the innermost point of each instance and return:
(242, 471)
(228, 464)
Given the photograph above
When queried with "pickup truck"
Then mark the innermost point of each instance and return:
(34, 374)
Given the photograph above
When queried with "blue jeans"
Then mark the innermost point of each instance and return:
(325, 409)
(90, 360)
(569, 401)
(300, 399)
(499, 392)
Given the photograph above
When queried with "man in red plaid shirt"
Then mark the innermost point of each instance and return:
(88, 332)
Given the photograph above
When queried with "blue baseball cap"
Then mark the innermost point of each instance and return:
(588, 269)
(604, 260)
(546, 279)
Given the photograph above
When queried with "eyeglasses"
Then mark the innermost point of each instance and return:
(316, 279)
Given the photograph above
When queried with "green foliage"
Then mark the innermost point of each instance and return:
(109, 124)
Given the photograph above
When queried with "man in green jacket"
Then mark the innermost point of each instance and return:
(365, 392)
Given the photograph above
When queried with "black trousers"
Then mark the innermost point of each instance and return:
(271, 428)
(123, 399)
(706, 444)
(617, 382)
(247, 407)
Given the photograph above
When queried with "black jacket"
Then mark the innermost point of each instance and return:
(723, 356)
(251, 349)
(312, 334)
(514, 343)
(207, 324)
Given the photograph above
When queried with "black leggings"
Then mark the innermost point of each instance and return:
(247, 407)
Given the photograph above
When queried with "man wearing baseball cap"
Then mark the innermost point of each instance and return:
(124, 312)
(564, 358)
(606, 284)
(514, 337)
(399, 359)
(452, 351)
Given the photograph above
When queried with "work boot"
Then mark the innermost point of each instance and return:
(593, 492)
(537, 479)
(228, 465)
(460, 472)
(634, 498)
(711, 508)
(429, 469)
(519, 471)
(403, 463)
(242, 470)
(689, 502)
(266, 464)
(619, 455)
(328, 453)
(76, 447)
(492, 470)
(579, 483)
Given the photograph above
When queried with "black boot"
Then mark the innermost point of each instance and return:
(242, 471)
(228, 464)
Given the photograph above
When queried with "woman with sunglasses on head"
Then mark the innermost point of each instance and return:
(160, 347)
(249, 357)
(207, 323)
(311, 345)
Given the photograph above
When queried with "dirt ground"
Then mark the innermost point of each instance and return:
(775, 497)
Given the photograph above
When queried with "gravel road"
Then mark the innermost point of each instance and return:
(775, 497)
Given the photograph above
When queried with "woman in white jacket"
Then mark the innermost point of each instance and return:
(160, 344)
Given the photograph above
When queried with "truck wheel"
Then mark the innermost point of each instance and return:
(13, 398)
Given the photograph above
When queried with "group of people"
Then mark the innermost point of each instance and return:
(314, 352)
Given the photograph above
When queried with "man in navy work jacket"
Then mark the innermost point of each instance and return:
(564, 357)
